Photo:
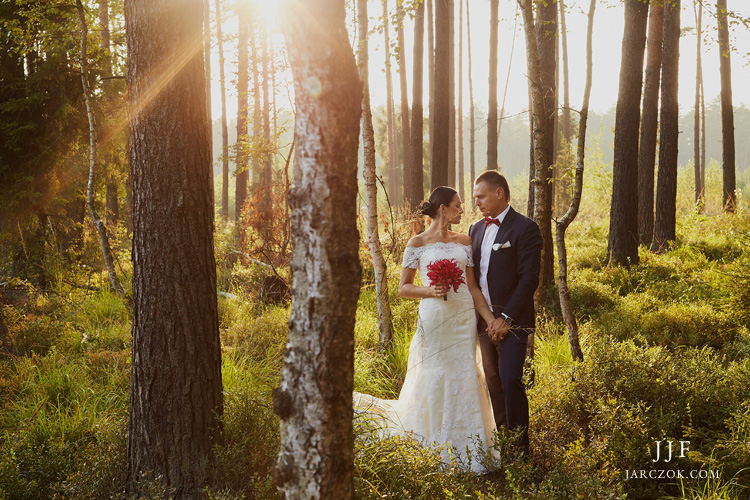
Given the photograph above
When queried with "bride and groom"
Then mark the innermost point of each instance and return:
(465, 367)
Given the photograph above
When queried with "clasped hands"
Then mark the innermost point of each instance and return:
(498, 329)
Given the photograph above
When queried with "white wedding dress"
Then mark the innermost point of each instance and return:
(444, 399)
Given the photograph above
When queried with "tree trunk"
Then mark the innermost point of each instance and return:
(451, 94)
(472, 129)
(112, 211)
(460, 124)
(698, 11)
(650, 125)
(258, 165)
(507, 80)
(385, 318)
(666, 181)
(243, 36)
(546, 35)
(390, 115)
(565, 180)
(267, 171)
(224, 128)
(442, 109)
(729, 199)
(623, 215)
(431, 78)
(176, 391)
(405, 129)
(570, 215)
(492, 104)
(207, 69)
(416, 193)
(101, 229)
(314, 397)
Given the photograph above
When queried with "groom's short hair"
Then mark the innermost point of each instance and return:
(494, 179)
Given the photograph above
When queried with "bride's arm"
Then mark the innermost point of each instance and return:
(480, 304)
(408, 290)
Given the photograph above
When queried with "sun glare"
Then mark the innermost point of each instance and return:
(267, 9)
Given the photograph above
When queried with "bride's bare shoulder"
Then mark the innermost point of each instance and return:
(463, 239)
(416, 241)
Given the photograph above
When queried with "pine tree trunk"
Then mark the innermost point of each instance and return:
(546, 35)
(267, 172)
(451, 94)
(390, 114)
(472, 128)
(492, 103)
(666, 181)
(460, 124)
(314, 397)
(176, 387)
(565, 180)
(258, 165)
(442, 109)
(416, 193)
(729, 200)
(650, 125)
(623, 215)
(570, 215)
(385, 317)
(405, 129)
(224, 128)
(112, 211)
(207, 69)
(243, 36)
(698, 11)
(431, 78)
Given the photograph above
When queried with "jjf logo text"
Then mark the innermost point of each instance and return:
(667, 451)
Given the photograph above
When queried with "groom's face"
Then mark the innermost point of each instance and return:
(490, 200)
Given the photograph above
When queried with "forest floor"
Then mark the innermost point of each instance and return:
(666, 357)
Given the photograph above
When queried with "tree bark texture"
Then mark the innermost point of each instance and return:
(431, 78)
(492, 102)
(729, 200)
(666, 181)
(416, 192)
(385, 317)
(698, 11)
(451, 94)
(314, 397)
(390, 113)
(546, 36)
(570, 215)
(112, 212)
(442, 109)
(405, 129)
(207, 69)
(243, 36)
(565, 180)
(176, 387)
(267, 163)
(472, 130)
(650, 125)
(623, 215)
(460, 116)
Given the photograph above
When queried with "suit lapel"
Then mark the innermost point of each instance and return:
(502, 233)
(476, 242)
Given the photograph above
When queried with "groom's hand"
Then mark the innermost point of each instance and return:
(498, 329)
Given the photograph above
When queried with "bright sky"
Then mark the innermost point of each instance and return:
(608, 29)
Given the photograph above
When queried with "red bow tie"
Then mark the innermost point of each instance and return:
(490, 220)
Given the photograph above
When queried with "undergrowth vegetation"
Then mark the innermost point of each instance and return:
(667, 358)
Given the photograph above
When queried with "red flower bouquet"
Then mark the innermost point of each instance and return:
(445, 272)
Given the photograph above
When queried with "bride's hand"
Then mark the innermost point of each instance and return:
(437, 291)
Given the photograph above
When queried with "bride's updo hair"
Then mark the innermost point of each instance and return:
(442, 195)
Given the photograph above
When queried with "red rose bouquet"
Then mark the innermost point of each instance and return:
(445, 272)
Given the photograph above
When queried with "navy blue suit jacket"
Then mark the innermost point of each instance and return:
(513, 272)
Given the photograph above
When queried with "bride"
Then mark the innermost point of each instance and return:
(444, 398)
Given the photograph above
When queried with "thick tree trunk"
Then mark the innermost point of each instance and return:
(698, 11)
(442, 109)
(240, 189)
(650, 125)
(492, 103)
(623, 215)
(570, 215)
(176, 391)
(224, 128)
(385, 318)
(390, 114)
(546, 36)
(416, 193)
(472, 128)
(451, 94)
(314, 397)
(405, 129)
(431, 78)
(729, 199)
(666, 181)
(101, 229)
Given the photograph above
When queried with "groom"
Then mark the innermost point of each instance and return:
(507, 250)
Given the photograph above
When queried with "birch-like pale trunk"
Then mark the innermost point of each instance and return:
(570, 215)
(385, 317)
(314, 396)
(101, 228)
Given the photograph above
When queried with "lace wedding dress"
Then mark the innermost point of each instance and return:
(444, 399)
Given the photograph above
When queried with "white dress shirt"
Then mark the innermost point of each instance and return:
(489, 239)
